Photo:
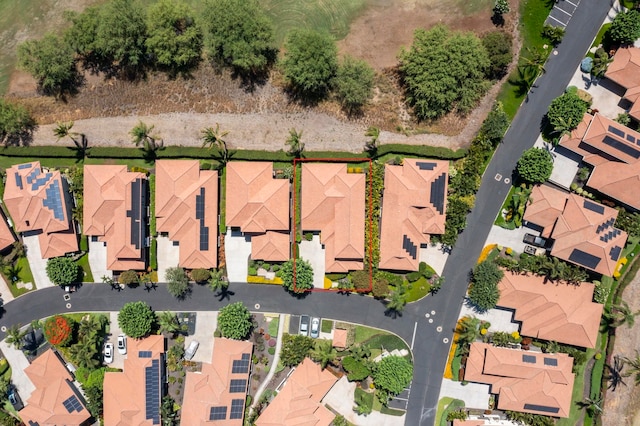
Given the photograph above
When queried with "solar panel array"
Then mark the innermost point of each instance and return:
(436, 197)
(144, 354)
(605, 225)
(138, 203)
(614, 253)
(32, 423)
(204, 230)
(621, 146)
(619, 132)
(425, 166)
(53, 200)
(409, 247)
(37, 182)
(594, 207)
(218, 413)
(19, 181)
(616, 131)
(152, 392)
(241, 365)
(610, 235)
(237, 409)
(72, 404)
(543, 408)
(24, 166)
(583, 258)
(531, 359)
(551, 361)
(238, 386)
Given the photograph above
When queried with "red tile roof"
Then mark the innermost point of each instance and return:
(6, 236)
(333, 203)
(413, 208)
(525, 381)
(625, 70)
(36, 200)
(180, 186)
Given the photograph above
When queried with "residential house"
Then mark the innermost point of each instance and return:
(216, 395)
(332, 203)
(37, 201)
(525, 381)
(583, 230)
(548, 310)
(257, 204)
(6, 235)
(299, 401)
(187, 210)
(413, 208)
(133, 396)
(115, 213)
(624, 70)
(55, 400)
(613, 150)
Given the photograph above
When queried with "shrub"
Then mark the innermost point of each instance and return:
(58, 330)
(200, 275)
(354, 83)
(484, 292)
(303, 276)
(361, 280)
(234, 321)
(413, 276)
(380, 287)
(252, 272)
(553, 34)
(498, 45)
(356, 370)
(62, 271)
(535, 165)
(566, 112)
(128, 277)
(393, 374)
(136, 319)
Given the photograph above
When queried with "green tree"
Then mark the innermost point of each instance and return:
(553, 34)
(239, 35)
(16, 122)
(364, 403)
(444, 70)
(568, 107)
(129, 278)
(177, 282)
(393, 374)
(218, 282)
(62, 271)
(324, 352)
(397, 300)
(593, 407)
(499, 47)
(136, 319)
(121, 34)
(215, 138)
(354, 84)
(142, 134)
(467, 330)
(380, 287)
(168, 412)
(303, 276)
(620, 314)
(310, 62)
(234, 321)
(484, 292)
(496, 124)
(51, 62)
(634, 367)
(174, 39)
(63, 130)
(601, 62)
(15, 336)
(356, 369)
(296, 146)
(84, 354)
(294, 349)
(371, 146)
(535, 165)
(625, 28)
(82, 35)
(168, 323)
(501, 7)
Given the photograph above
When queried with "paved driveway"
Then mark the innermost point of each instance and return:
(18, 362)
(98, 260)
(206, 323)
(114, 331)
(168, 256)
(312, 252)
(474, 395)
(36, 262)
(238, 250)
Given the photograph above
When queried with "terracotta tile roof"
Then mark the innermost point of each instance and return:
(413, 208)
(625, 67)
(525, 381)
(340, 338)
(257, 203)
(125, 401)
(333, 203)
(116, 214)
(211, 386)
(53, 390)
(583, 230)
(298, 402)
(549, 310)
(181, 187)
(37, 201)
(6, 236)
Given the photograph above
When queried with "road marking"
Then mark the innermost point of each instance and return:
(572, 4)
(507, 181)
(415, 327)
(561, 10)
(559, 21)
(498, 177)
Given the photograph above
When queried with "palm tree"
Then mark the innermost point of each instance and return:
(397, 301)
(621, 314)
(15, 336)
(141, 135)
(218, 282)
(634, 367)
(535, 61)
(360, 352)
(63, 130)
(371, 146)
(593, 406)
(84, 354)
(89, 327)
(564, 127)
(468, 330)
(614, 373)
(168, 322)
(214, 138)
(324, 352)
(296, 147)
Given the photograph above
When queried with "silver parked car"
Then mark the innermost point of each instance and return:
(304, 325)
(315, 328)
(191, 350)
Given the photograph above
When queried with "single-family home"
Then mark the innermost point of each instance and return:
(7, 238)
(413, 208)
(624, 70)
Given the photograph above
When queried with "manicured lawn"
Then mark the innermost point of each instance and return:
(364, 333)
(417, 290)
(83, 262)
(327, 326)
(505, 206)
(273, 327)
(445, 405)
(368, 398)
(456, 364)
(600, 35)
(386, 341)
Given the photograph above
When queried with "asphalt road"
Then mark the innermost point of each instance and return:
(426, 334)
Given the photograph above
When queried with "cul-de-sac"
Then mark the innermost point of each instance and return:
(319, 212)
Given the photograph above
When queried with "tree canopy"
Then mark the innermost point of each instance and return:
(625, 28)
(177, 282)
(535, 165)
(234, 321)
(239, 34)
(354, 83)
(310, 62)
(444, 70)
(62, 270)
(174, 39)
(566, 111)
(295, 348)
(50, 61)
(484, 292)
(393, 374)
(58, 330)
(136, 319)
(303, 276)
(496, 124)
(15, 121)
(498, 45)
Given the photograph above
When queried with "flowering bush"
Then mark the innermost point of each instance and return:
(58, 330)
(515, 335)
(483, 331)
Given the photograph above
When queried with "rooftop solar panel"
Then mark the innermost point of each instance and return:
(144, 354)
(32, 423)
(246, 357)
(24, 166)
(238, 386)
(622, 147)
(218, 413)
(138, 202)
(543, 408)
(437, 195)
(237, 409)
(72, 404)
(551, 361)
(594, 207)
(204, 238)
(531, 359)
(616, 131)
(631, 138)
(614, 253)
(18, 180)
(585, 259)
(200, 205)
(53, 200)
(152, 392)
(240, 366)
(422, 165)
(409, 247)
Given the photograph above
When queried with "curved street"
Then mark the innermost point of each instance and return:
(429, 345)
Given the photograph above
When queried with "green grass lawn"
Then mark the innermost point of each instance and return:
(83, 262)
(327, 326)
(445, 405)
(456, 363)
(364, 333)
(417, 290)
(273, 327)
(387, 341)
(24, 275)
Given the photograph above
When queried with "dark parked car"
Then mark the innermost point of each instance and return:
(14, 398)
(536, 241)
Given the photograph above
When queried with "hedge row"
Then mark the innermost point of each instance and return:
(246, 155)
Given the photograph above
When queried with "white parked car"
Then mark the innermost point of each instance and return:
(315, 328)
(191, 350)
(108, 353)
(122, 344)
